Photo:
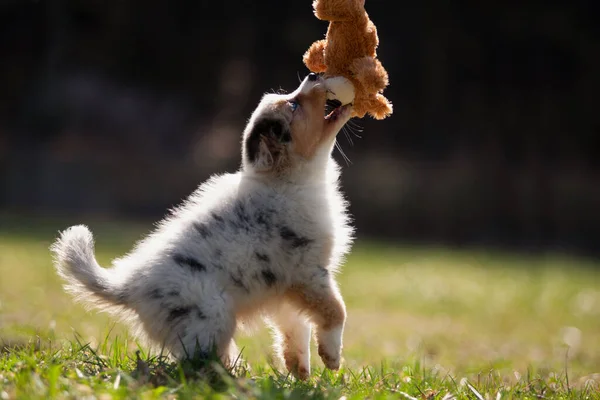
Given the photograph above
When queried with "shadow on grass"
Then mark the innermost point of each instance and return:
(80, 364)
(202, 373)
(8, 346)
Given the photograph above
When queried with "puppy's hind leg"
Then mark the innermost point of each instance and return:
(200, 333)
(232, 357)
(291, 332)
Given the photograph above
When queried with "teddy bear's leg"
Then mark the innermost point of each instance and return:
(314, 58)
(379, 107)
(370, 73)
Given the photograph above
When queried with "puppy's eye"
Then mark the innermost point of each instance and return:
(293, 104)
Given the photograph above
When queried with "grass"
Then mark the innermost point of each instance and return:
(424, 322)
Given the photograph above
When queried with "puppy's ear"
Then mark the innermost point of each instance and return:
(264, 158)
(265, 143)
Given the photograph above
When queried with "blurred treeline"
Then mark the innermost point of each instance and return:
(120, 108)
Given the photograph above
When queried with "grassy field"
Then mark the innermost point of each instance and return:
(425, 323)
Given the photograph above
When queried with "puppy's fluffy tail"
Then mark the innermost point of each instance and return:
(75, 262)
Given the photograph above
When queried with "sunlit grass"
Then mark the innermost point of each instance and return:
(422, 321)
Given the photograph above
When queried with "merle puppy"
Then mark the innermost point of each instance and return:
(263, 242)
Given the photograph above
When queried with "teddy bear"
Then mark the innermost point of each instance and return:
(348, 53)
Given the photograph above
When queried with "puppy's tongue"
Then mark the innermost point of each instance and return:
(333, 115)
(332, 108)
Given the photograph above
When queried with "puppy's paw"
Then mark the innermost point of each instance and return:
(330, 346)
(331, 359)
(297, 365)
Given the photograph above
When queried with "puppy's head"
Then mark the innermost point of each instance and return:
(289, 131)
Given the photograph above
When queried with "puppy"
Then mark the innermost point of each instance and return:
(263, 242)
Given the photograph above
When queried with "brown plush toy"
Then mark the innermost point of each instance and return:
(349, 51)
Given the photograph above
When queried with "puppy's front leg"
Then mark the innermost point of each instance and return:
(322, 301)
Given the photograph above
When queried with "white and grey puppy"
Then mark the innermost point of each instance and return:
(265, 241)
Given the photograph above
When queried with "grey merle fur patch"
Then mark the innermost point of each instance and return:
(237, 281)
(269, 277)
(262, 257)
(177, 313)
(202, 229)
(293, 238)
(200, 314)
(189, 261)
(217, 217)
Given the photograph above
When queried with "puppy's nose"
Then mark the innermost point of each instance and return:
(312, 76)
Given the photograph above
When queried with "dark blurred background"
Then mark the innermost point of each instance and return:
(119, 109)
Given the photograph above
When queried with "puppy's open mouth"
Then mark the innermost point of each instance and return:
(333, 108)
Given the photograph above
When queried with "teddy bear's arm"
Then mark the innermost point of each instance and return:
(314, 58)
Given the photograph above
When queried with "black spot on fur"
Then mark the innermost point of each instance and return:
(217, 266)
(202, 230)
(190, 262)
(262, 257)
(173, 293)
(122, 297)
(218, 253)
(263, 219)
(269, 277)
(293, 238)
(200, 314)
(238, 282)
(99, 286)
(242, 219)
(177, 313)
(217, 217)
(156, 293)
(322, 271)
(241, 213)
